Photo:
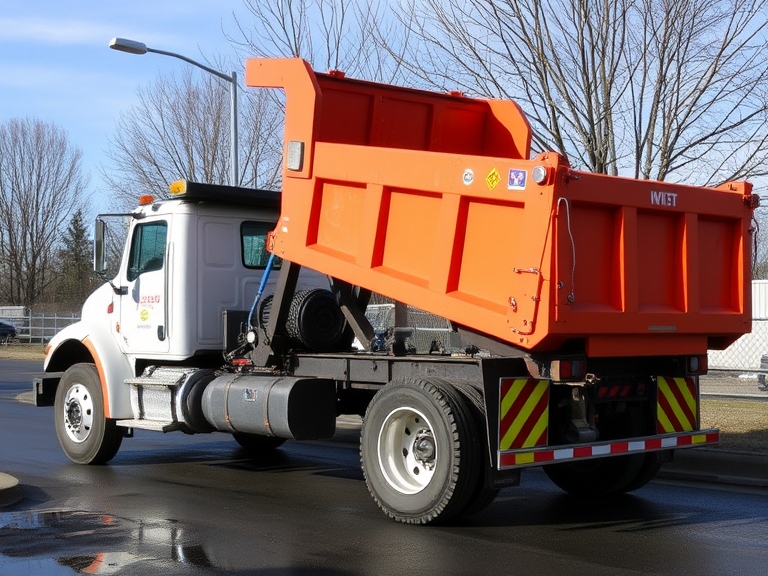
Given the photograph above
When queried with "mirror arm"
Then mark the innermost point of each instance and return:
(119, 290)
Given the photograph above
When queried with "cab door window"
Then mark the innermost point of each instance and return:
(147, 248)
(253, 238)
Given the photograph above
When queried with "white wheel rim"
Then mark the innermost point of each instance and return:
(78, 413)
(407, 450)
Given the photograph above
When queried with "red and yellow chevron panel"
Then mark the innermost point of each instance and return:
(676, 405)
(524, 413)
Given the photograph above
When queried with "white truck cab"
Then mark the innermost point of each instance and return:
(169, 302)
(190, 271)
(186, 261)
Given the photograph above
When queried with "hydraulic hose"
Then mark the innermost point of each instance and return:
(262, 285)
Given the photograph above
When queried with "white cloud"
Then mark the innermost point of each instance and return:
(77, 32)
(51, 31)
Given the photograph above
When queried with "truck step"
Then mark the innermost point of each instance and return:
(161, 377)
(156, 425)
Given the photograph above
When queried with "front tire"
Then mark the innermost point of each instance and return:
(419, 451)
(85, 434)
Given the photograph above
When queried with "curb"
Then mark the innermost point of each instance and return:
(10, 492)
(716, 467)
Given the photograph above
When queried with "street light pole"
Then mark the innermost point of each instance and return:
(134, 47)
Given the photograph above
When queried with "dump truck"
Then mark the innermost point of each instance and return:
(578, 307)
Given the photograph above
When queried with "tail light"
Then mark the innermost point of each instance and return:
(568, 370)
(697, 365)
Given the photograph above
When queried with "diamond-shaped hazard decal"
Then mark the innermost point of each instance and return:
(493, 179)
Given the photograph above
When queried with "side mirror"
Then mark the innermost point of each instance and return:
(99, 247)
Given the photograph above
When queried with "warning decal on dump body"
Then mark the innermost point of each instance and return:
(516, 179)
(523, 413)
(493, 178)
(676, 409)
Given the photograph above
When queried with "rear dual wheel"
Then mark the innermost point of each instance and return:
(613, 475)
(421, 451)
(600, 477)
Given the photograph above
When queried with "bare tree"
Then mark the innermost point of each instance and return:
(663, 89)
(358, 37)
(181, 129)
(41, 186)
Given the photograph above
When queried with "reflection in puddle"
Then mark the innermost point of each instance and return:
(67, 541)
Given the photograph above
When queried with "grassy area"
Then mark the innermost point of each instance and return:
(16, 351)
(743, 424)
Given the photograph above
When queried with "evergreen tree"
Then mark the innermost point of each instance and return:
(76, 274)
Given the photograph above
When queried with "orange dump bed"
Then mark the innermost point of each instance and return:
(432, 199)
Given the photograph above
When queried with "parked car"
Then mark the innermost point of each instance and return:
(7, 331)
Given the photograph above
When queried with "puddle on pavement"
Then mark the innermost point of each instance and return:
(69, 541)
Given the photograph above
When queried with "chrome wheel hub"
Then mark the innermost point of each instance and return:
(78, 413)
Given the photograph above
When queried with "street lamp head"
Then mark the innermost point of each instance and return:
(130, 46)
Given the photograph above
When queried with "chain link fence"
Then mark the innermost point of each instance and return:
(746, 353)
(38, 328)
(424, 332)
(433, 333)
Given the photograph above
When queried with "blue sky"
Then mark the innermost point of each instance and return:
(55, 64)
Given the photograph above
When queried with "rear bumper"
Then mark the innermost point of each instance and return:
(511, 459)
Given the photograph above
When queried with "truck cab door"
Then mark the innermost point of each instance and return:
(144, 306)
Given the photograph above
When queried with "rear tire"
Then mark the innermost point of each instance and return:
(648, 470)
(483, 495)
(612, 475)
(419, 451)
(85, 434)
(600, 477)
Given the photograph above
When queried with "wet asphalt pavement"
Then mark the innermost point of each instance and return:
(176, 504)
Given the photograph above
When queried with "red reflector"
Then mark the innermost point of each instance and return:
(240, 362)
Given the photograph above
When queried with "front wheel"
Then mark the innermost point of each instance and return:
(419, 452)
(85, 434)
